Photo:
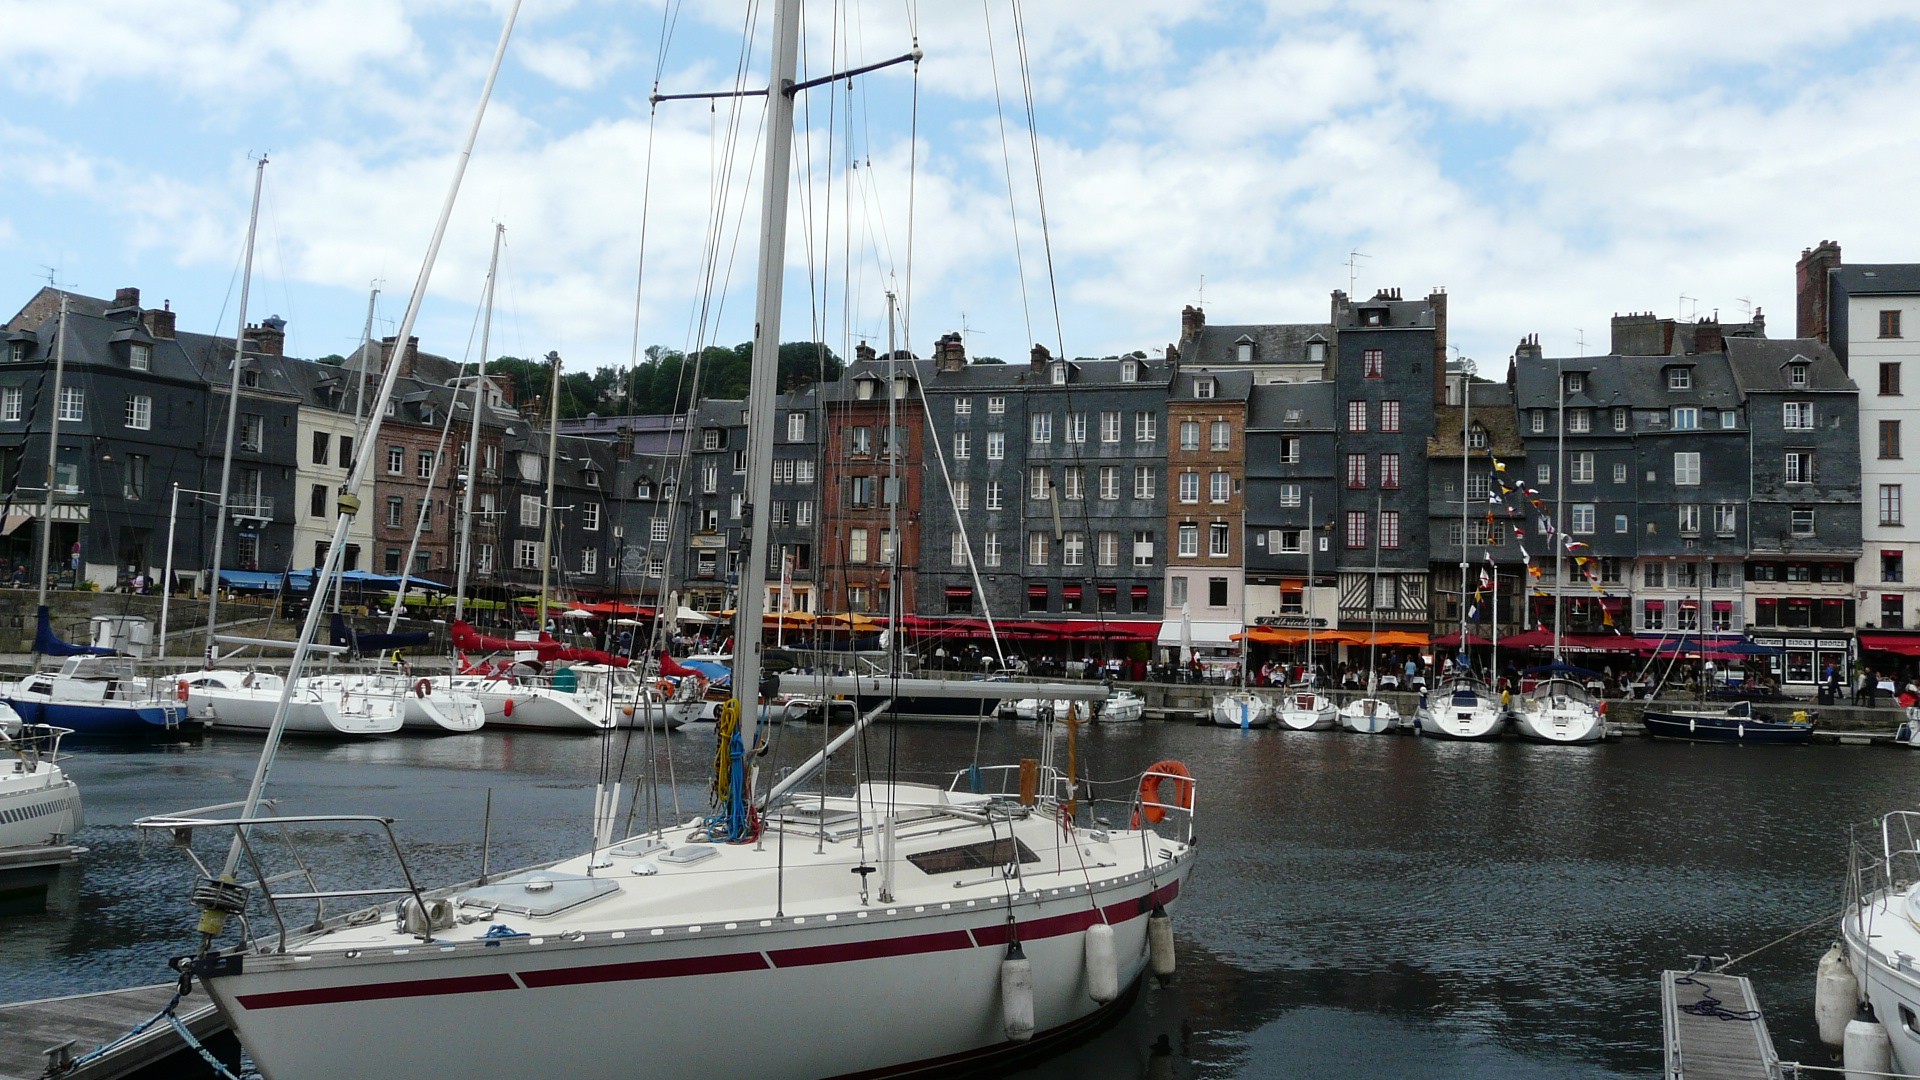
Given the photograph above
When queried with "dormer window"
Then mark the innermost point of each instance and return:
(17, 351)
(1679, 378)
(1129, 371)
(1796, 375)
(1316, 352)
(1477, 437)
(1243, 350)
(250, 377)
(643, 489)
(864, 388)
(1203, 388)
(710, 439)
(1576, 382)
(1373, 317)
(1292, 416)
(1060, 373)
(590, 476)
(140, 356)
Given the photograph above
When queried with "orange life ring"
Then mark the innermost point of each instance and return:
(180, 689)
(422, 688)
(1152, 796)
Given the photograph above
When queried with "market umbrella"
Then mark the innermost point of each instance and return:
(1186, 636)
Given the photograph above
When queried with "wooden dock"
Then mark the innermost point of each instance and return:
(1708, 1041)
(32, 1032)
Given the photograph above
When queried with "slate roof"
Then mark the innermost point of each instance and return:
(1870, 279)
(1317, 403)
(1273, 343)
(1228, 386)
(1492, 409)
(1634, 381)
(1761, 365)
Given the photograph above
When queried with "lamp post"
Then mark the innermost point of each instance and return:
(166, 575)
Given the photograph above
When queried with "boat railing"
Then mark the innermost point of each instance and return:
(273, 857)
(34, 743)
(1003, 782)
(1155, 796)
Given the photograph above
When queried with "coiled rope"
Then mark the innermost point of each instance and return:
(1708, 1005)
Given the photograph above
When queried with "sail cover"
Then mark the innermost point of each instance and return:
(48, 643)
(373, 644)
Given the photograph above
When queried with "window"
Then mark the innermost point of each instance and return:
(1189, 541)
(1221, 436)
(1889, 504)
(1889, 440)
(1389, 470)
(710, 479)
(1060, 373)
(1143, 481)
(710, 439)
(320, 447)
(1219, 487)
(1620, 523)
(859, 491)
(1679, 378)
(996, 405)
(1803, 521)
(1389, 530)
(990, 549)
(1109, 427)
(423, 465)
(1372, 363)
(396, 507)
(1890, 379)
(1576, 382)
(1037, 548)
(1143, 549)
(1686, 418)
(1579, 421)
(1129, 371)
(589, 560)
(140, 412)
(1655, 575)
(1076, 427)
(1539, 420)
(1203, 388)
(1289, 494)
(1074, 480)
(994, 495)
(1109, 482)
(1583, 519)
(1189, 487)
(1217, 592)
(739, 466)
(1620, 473)
(657, 531)
(1144, 427)
(803, 513)
(1890, 324)
(859, 440)
(802, 474)
(1038, 483)
(1356, 528)
(1543, 474)
(1108, 550)
(1476, 438)
(1478, 488)
(1287, 541)
(1356, 470)
(1620, 419)
(73, 405)
(1073, 549)
(396, 460)
(1653, 615)
(1218, 540)
(1726, 519)
(856, 545)
(10, 404)
(253, 433)
(526, 555)
(1797, 416)
(134, 487)
(1042, 427)
(1582, 471)
(1796, 375)
(797, 421)
(1893, 607)
(962, 494)
(886, 546)
(1892, 566)
(590, 517)
(1799, 466)
(1189, 435)
(1290, 450)
(962, 446)
(1690, 519)
(1356, 416)
(963, 406)
(1389, 416)
(530, 511)
(996, 446)
(1686, 468)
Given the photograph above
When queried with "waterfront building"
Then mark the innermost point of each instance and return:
(1292, 445)
(1207, 459)
(871, 449)
(1464, 522)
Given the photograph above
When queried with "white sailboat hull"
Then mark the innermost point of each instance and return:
(1570, 724)
(1307, 711)
(246, 701)
(1449, 712)
(1242, 710)
(511, 704)
(1369, 716)
(39, 802)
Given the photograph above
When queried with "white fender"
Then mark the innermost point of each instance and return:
(1867, 1053)
(1016, 994)
(1103, 972)
(1835, 997)
(1160, 942)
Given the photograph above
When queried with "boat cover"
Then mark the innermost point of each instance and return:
(48, 643)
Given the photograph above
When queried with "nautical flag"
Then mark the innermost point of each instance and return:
(1485, 581)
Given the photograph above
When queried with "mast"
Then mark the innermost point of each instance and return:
(546, 519)
(360, 365)
(233, 413)
(473, 441)
(53, 448)
(1466, 472)
(1559, 514)
(765, 370)
(1373, 634)
(1313, 541)
(893, 504)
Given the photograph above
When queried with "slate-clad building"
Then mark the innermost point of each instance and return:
(1460, 475)
(1292, 452)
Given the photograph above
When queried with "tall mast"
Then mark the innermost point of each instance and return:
(1306, 595)
(233, 412)
(766, 368)
(360, 365)
(1559, 513)
(53, 448)
(893, 504)
(553, 455)
(1373, 634)
(473, 440)
(1466, 472)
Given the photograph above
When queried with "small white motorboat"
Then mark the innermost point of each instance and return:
(1369, 716)
(1121, 707)
(1306, 709)
(1242, 709)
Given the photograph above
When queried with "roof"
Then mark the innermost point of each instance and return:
(1227, 386)
(1760, 365)
(1492, 410)
(1868, 279)
(1634, 381)
(1273, 343)
(1303, 406)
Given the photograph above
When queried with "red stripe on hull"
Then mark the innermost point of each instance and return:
(646, 969)
(947, 941)
(332, 995)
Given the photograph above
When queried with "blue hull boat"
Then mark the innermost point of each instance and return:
(1735, 725)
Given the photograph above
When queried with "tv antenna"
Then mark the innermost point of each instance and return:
(1353, 268)
(1746, 303)
(1580, 340)
(1679, 312)
(52, 273)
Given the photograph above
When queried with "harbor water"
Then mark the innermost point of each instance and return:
(1364, 906)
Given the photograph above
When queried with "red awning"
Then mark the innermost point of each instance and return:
(1723, 605)
(1139, 592)
(1453, 639)
(1898, 644)
(1109, 590)
(1071, 592)
(957, 591)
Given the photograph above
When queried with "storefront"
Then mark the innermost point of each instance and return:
(1803, 659)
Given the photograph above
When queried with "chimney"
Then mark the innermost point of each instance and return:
(1039, 358)
(1528, 349)
(863, 354)
(1759, 323)
(623, 443)
(159, 323)
(1708, 337)
(1813, 295)
(1192, 321)
(126, 298)
(1437, 303)
(408, 359)
(269, 337)
(950, 353)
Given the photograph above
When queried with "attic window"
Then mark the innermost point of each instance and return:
(250, 377)
(1316, 352)
(1374, 317)
(1576, 382)
(643, 490)
(1292, 416)
(1797, 375)
(1679, 378)
(590, 476)
(1203, 388)
(1243, 350)
(1060, 373)
(863, 389)
(17, 351)
(139, 356)
(1477, 437)
(1129, 371)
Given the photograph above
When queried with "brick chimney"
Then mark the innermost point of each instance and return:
(126, 298)
(268, 337)
(863, 354)
(1437, 302)
(159, 322)
(1192, 321)
(408, 359)
(1038, 359)
(949, 353)
(623, 443)
(1812, 317)
(1708, 336)
(1528, 349)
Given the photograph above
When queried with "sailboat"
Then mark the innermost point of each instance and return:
(1462, 706)
(1242, 708)
(901, 928)
(1371, 715)
(1304, 707)
(39, 803)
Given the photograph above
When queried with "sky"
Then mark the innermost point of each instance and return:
(1548, 165)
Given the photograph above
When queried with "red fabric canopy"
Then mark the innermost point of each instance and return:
(1898, 644)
